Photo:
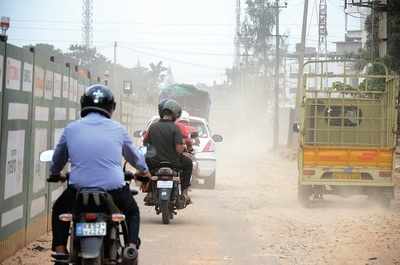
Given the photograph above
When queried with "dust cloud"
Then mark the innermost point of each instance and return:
(253, 213)
(262, 185)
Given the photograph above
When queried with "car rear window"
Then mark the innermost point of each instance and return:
(200, 127)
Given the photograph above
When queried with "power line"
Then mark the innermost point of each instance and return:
(123, 22)
(184, 52)
(170, 59)
(213, 34)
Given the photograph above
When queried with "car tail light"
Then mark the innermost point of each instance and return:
(308, 172)
(385, 174)
(118, 217)
(90, 217)
(210, 147)
(65, 217)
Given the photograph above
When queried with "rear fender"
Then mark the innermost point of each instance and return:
(164, 194)
(91, 247)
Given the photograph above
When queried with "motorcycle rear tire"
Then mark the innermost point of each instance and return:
(96, 261)
(165, 213)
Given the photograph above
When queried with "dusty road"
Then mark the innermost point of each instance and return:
(253, 217)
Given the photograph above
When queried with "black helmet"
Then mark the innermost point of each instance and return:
(97, 98)
(171, 107)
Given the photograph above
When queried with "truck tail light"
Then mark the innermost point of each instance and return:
(385, 174)
(308, 172)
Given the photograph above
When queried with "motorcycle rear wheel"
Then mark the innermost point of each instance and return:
(96, 261)
(165, 213)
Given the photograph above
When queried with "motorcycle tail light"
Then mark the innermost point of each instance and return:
(210, 147)
(90, 217)
(65, 217)
(118, 217)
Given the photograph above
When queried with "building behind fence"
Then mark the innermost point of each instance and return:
(40, 96)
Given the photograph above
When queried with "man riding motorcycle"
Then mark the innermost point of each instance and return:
(165, 143)
(95, 145)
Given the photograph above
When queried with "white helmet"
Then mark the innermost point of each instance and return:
(185, 116)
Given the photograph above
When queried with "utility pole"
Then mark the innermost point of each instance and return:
(237, 35)
(115, 53)
(117, 89)
(277, 7)
(301, 60)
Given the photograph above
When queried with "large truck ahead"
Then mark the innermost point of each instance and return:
(193, 100)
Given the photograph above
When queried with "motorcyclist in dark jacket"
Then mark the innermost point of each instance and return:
(165, 143)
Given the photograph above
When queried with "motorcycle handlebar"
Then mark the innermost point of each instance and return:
(129, 175)
(58, 178)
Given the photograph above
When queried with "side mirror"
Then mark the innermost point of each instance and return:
(46, 156)
(217, 138)
(138, 134)
(296, 127)
(194, 135)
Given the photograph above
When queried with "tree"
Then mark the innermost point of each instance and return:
(157, 74)
(256, 32)
(86, 57)
(393, 41)
(44, 48)
(392, 59)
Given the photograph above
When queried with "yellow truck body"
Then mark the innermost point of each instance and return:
(348, 130)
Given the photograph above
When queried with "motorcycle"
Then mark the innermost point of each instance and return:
(165, 187)
(98, 232)
(166, 192)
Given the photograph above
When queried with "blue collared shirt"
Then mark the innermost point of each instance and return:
(95, 146)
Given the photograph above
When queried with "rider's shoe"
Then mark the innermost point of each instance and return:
(185, 194)
(60, 258)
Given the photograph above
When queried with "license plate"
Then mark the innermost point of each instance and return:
(344, 175)
(165, 184)
(91, 229)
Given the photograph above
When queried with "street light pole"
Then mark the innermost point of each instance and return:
(4, 26)
(275, 143)
(276, 85)
(299, 91)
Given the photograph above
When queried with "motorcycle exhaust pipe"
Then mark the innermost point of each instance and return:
(130, 253)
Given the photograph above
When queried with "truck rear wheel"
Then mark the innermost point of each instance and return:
(304, 193)
(382, 196)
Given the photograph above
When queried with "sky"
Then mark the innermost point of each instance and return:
(194, 38)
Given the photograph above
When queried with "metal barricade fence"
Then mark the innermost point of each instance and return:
(41, 96)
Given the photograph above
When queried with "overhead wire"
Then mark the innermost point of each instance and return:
(40, 21)
(138, 51)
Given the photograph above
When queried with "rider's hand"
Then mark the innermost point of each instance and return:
(188, 155)
(56, 178)
(145, 174)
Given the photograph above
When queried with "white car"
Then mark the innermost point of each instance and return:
(205, 162)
